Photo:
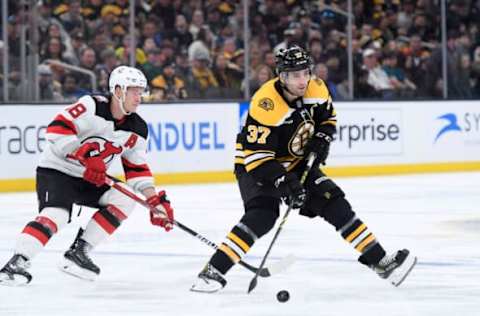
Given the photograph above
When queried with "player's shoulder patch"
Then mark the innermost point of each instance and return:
(267, 106)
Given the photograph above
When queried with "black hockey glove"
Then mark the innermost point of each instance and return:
(290, 188)
(319, 144)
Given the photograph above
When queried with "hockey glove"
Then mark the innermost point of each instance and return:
(161, 213)
(95, 168)
(319, 144)
(291, 189)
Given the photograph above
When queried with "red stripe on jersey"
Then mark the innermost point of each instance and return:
(47, 222)
(56, 126)
(35, 233)
(103, 222)
(116, 212)
(59, 130)
(133, 171)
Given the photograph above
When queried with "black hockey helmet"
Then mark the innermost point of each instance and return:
(292, 59)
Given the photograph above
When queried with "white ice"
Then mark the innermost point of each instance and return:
(146, 271)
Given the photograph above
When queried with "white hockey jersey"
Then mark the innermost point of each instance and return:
(90, 120)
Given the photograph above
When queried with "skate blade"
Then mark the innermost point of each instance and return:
(205, 287)
(72, 269)
(401, 273)
(18, 280)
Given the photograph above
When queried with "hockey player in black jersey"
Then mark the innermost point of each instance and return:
(289, 117)
(83, 141)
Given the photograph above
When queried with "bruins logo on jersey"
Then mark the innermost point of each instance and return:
(300, 138)
(266, 104)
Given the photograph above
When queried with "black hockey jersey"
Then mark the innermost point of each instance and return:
(276, 132)
(90, 120)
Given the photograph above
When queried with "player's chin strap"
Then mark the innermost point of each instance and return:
(264, 272)
(121, 102)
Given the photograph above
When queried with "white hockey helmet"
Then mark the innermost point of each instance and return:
(124, 77)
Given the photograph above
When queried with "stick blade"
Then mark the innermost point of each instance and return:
(252, 285)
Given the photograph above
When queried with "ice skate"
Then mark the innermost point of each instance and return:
(210, 280)
(395, 267)
(15, 273)
(77, 262)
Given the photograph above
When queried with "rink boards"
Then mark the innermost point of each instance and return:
(191, 143)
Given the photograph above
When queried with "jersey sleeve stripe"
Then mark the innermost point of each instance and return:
(331, 122)
(60, 125)
(249, 167)
(257, 156)
(134, 171)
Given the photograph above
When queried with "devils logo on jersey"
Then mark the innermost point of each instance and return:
(102, 148)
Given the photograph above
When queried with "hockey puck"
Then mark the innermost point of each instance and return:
(283, 296)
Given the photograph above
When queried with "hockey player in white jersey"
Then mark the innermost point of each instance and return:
(83, 140)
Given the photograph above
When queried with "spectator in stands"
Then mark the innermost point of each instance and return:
(53, 49)
(229, 47)
(361, 88)
(72, 19)
(464, 84)
(415, 58)
(204, 43)
(377, 77)
(227, 74)
(78, 43)
(182, 64)
(123, 53)
(155, 62)
(476, 73)
(404, 87)
(100, 42)
(288, 39)
(87, 62)
(91, 12)
(269, 60)
(201, 80)
(71, 89)
(168, 86)
(180, 36)
(316, 50)
(321, 71)
(236, 66)
(109, 62)
(49, 89)
(434, 69)
(196, 23)
(262, 74)
(164, 10)
(150, 30)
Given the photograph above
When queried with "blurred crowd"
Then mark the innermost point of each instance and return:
(194, 49)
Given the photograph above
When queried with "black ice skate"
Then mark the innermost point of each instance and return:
(15, 271)
(77, 262)
(209, 280)
(396, 267)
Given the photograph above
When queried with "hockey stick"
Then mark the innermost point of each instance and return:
(263, 272)
(310, 160)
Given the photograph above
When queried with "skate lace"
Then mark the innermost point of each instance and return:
(387, 262)
(19, 263)
(83, 248)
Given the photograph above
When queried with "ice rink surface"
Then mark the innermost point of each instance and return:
(146, 271)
